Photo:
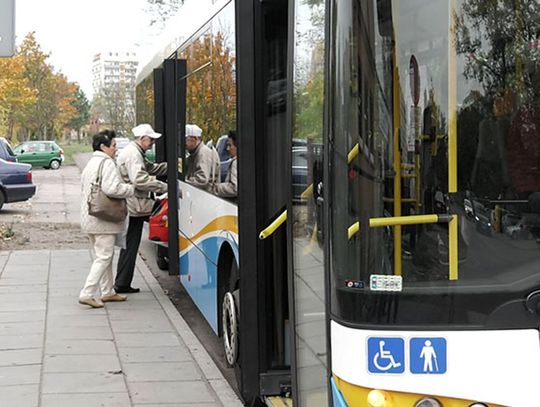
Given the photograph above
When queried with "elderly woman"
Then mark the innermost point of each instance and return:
(102, 233)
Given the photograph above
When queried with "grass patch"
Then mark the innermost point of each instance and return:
(74, 148)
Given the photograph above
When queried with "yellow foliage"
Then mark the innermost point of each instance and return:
(33, 98)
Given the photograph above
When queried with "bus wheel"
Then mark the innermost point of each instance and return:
(230, 329)
(162, 258)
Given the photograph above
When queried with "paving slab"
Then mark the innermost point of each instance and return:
(83, 383)
(56, 352)
(155, 354)
(19, 395)
(81, 363)
(19, 357)
(189, 392)
(161, 372)
(86, 400)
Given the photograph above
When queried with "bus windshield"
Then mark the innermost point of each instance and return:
(434, 150)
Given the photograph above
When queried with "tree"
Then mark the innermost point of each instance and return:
(16, 95)
(211, 92)
(34, 100)
(114, 106)
(499, 40)
(161, 10)
(82, 106)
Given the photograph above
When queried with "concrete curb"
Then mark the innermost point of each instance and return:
(216, 380)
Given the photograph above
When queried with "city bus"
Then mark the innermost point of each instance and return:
(406, 271)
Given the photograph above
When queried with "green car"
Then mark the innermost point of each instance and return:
(45, 154)
(151, 154)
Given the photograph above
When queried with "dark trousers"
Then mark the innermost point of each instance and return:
(128, 256)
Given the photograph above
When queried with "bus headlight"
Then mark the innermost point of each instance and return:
(428, 402)
(378, 398)
(478, 405)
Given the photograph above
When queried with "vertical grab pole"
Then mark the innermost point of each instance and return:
(453, 248)
(397, 161)
(452, 139)
(452, 99)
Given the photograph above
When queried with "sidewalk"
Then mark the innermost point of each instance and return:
(56, 352)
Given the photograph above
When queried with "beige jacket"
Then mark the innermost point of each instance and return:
(203, 170)
(229, 188)
(111, 184)
(135, 169)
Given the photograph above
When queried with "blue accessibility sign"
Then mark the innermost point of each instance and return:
(386, 355)
(427, 355)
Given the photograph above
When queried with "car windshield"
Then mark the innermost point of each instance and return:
(121, 142)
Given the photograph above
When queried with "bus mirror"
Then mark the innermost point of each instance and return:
(384, 17)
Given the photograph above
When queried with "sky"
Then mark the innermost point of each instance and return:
(73, 31)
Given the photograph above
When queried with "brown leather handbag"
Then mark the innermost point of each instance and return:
(102, 206)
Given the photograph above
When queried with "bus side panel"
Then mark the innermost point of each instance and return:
(206, 222)
(198, 275)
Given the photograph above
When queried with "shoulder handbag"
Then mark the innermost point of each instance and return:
(103, 207)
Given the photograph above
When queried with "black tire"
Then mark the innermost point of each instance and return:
(2, 199)
(54, 164)
(230, 324)
(162, 258)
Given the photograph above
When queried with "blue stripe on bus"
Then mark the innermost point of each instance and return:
(337, 397)
(198, 275)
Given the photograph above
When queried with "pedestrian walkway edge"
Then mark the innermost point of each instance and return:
(214, 376)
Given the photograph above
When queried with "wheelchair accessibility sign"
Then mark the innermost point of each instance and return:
(425, 355)
(386, 355)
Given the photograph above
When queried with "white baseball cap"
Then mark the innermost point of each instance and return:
(193, 130)
(145, 130)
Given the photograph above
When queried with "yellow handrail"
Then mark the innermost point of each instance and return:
(408, 220)
(353, 153)
(453, 248)
(269, 231)
(353, 229)
(307, 193)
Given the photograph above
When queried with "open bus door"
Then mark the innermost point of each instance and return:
(264, 180)
(170, 118)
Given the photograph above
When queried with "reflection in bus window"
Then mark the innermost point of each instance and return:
(413, 80)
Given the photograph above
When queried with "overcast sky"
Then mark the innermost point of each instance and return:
(73, 31)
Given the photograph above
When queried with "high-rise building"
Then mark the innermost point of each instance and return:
(113, 77)
(113, 67)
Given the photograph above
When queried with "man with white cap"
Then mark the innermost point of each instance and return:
(135, 169)
(203, 167)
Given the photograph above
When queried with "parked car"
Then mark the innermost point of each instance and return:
(15, 182)
(121, 142)
(299, 171)
(151, 154)
(45, 154)
(6, 152)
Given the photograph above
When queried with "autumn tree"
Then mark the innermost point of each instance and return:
(211, 91)
(16, 95)
(50, 110)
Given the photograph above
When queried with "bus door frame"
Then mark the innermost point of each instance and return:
(170, 119)
(257, 378)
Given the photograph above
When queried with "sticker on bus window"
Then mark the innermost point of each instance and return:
(378, 282)
(354, 284)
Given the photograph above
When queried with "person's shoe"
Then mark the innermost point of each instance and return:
(113, 298)
(126, 290)
(90, 301)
